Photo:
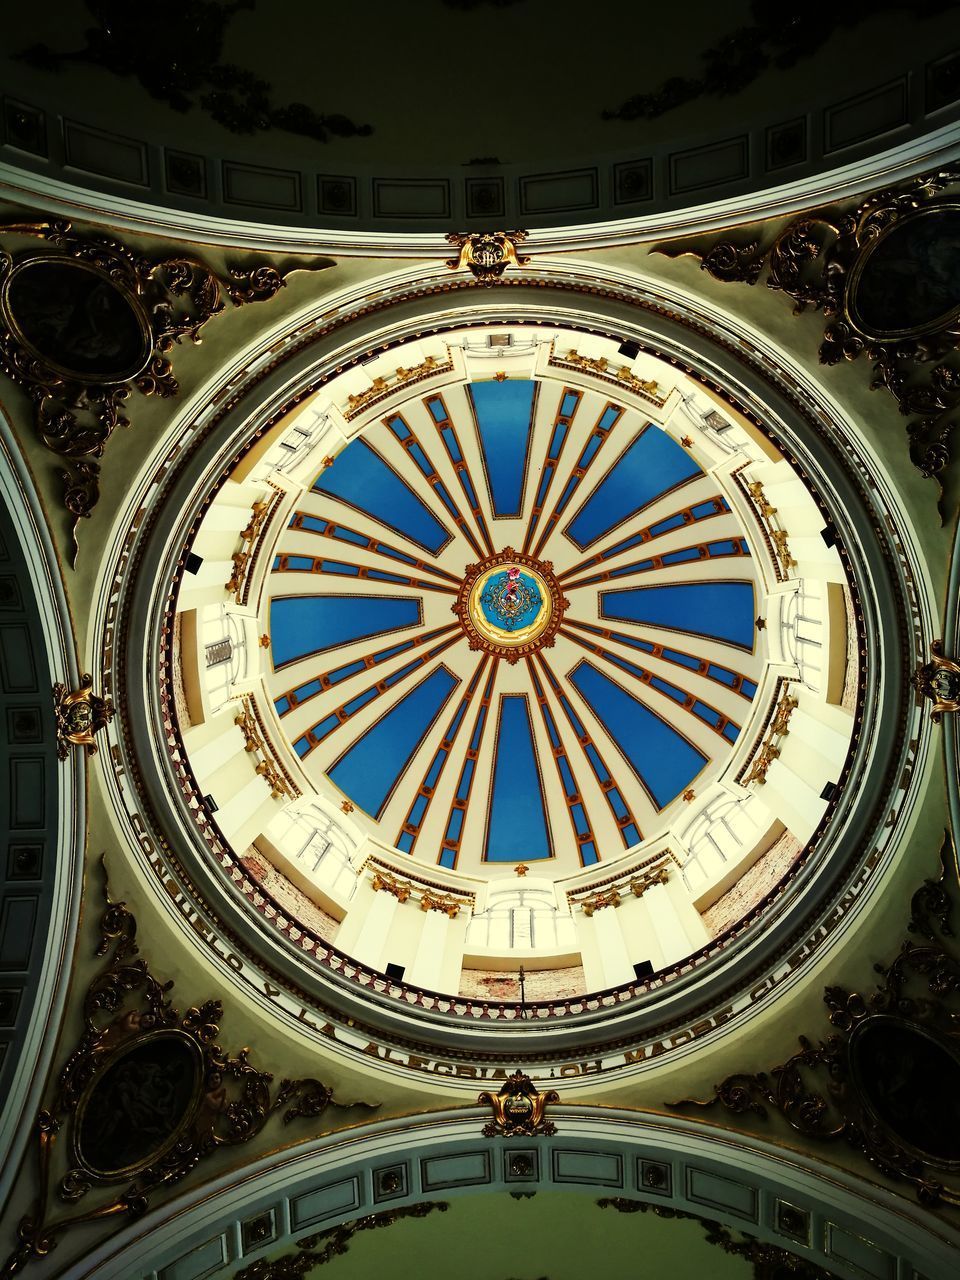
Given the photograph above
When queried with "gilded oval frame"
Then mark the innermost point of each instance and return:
(8, 315)
(177, 1132)
(857, 1079)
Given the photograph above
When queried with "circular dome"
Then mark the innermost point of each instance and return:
(511, 668)
(512, 620)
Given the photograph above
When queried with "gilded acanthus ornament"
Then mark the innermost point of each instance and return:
(939, 681)
(884, 274)
(87, 321)
(518, 1109)
(487, 255)
(80, 714)
(145, 1095)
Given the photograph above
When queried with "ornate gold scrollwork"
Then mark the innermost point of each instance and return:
(487, 255)
(518, 1109)
(623, 376)
(89, 321)
(242, 559)
(430, 899)
(778, 540)
(80, 714)
(597, 901)
(254, 738)
(886, 1079)
(384, 882)
(770, 748)
(385, 384)
(939, 681)
(444, 902)
(147, 1093)
(611, 895)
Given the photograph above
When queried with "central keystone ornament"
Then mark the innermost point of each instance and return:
(510, 605)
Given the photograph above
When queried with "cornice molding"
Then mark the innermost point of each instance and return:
(52, 195)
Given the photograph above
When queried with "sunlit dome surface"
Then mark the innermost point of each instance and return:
(562, 711)
(523, 625)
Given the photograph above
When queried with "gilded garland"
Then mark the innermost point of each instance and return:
(319, 1249)
(87, 321)
(146, 1094)
(769, 1261)
(886, 275)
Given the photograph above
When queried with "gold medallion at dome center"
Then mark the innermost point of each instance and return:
(504, 635)
(510, 605)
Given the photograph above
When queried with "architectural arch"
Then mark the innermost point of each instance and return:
(841, 1224)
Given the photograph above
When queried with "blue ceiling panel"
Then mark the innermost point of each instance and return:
(303, 625)
(517, 828)
(363, 480)
(652, 465)
(504, 412)
(721, 610)
(663, 760)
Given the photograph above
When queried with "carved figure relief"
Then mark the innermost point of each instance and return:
(886, 275)
(886, 1081)
(88, 321)
(146, 1094)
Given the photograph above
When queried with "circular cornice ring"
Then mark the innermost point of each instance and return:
(65, 199)
(894, 737)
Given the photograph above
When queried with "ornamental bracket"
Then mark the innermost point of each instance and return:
(518, 1109)
(487, 255)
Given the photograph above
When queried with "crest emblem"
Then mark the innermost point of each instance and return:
(518, 1109)
(80, 714)
(487, 255)
(939, 680)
